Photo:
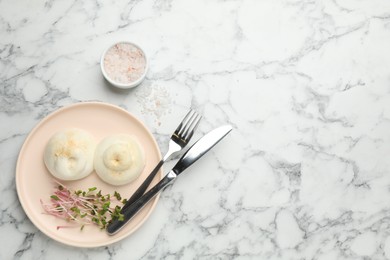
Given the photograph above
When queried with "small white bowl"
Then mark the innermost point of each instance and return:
(131, 84)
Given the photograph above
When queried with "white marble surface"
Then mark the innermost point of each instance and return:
(306, 85)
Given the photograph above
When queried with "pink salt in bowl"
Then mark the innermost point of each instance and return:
(124, 65)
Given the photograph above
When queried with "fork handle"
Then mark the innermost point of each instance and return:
(141, 189)
(134, 208)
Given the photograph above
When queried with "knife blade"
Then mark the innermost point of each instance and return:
(196, 151)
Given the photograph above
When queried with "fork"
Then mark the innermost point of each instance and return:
(179, 139)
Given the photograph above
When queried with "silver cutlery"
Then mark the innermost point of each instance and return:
(179, 139)
(196, 151)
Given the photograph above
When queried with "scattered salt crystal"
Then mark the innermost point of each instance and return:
(124, 63)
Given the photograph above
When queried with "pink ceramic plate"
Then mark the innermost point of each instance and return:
(34, 182)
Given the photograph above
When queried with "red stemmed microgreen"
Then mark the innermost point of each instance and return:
(88, 207)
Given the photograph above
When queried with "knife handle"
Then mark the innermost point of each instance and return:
(134, 208)
(141, 189)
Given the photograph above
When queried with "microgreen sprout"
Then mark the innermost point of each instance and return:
(88, 207)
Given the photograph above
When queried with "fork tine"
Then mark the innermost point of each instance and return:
(187, 134)
(183, 123)
(190, 131)
(187, 124)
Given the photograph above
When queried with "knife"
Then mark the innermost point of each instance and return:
(196, 151)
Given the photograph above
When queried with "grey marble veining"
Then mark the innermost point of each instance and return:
(305, 174)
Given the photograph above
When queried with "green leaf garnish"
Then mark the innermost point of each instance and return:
(54, 197)
(86, 207)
